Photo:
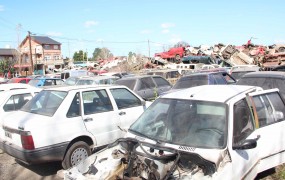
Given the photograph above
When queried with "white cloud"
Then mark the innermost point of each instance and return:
(167, 25)
(1, 8)
(54, 34)
(145, 31)
(165, 31)
(88, 24)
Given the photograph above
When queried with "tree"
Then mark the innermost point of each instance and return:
(181, 44)
(131, 54)
(101, 53)
(80, 56)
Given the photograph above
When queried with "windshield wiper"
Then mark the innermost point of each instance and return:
(146, 136)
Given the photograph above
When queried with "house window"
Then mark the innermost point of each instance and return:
(47, 47)
(47, 57)
(55, 46)
(56, 57)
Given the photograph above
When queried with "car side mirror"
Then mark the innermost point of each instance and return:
(247, 144)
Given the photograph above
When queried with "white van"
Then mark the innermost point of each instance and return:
(74, 73)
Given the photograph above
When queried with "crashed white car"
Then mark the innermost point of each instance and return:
(204, 132)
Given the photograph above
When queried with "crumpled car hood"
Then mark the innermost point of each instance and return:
(137, 157)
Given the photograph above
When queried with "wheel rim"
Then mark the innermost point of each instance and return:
(78, 155)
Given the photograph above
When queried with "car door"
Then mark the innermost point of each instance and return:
(130, 107)
(99, 116)
(270, 111)
(244, 161)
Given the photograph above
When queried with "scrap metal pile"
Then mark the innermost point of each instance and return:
(227, 55)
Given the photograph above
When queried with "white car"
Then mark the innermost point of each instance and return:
(13, 86)
(204, 132)
(67, 123)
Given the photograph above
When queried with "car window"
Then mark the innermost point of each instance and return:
(124, 98)
(48, 82)
(270, 108)
(84, 82)
(191, 81)
(130, 83)
(96, 101)
(243, 122)
(15, 102)
(74, 109)
(147, 82)
(23, 81)
(160, 81)
(219, 79)
(45, 102)
(58, 82)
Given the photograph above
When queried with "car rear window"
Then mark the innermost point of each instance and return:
(191, 81)
(45, 103)
(130, 83)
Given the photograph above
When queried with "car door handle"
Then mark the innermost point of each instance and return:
(88, 119)
(122, 113)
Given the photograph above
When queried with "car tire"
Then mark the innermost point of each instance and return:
(177, 57)
(78, 151)
(281, 49)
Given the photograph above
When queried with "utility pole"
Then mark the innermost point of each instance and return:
(31, 58)
(19, 57)
(148, 49)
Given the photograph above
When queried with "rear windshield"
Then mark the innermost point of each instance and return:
(265, 83)
(45, 103)
(130, 83)
(192, 81)
(238, 75)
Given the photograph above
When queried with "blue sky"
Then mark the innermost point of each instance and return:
(128, 25)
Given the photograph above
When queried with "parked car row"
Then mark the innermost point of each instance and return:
(208, 125)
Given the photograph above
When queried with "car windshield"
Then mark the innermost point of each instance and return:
(191, 81)
(45, 102)
(71, 81)
(184, 122)
(34, 82)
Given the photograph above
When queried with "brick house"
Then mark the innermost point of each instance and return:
(9, 55)
(46, 54)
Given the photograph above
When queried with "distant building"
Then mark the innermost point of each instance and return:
(9, 54)
(46, 54)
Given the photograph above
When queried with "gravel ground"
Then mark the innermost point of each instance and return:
(10, 169)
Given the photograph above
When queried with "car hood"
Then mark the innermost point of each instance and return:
(136, 157)
(25, 120)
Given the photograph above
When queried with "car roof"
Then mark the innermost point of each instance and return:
(217, 93)
(203, 73)
(20, 91)
(263, 74)
(10, 86)
(138, 77)
(241, 69)
(70, 88)
(98, 77)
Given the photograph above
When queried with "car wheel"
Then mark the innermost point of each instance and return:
(281, 49)
(177, 57)
(76, 153)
